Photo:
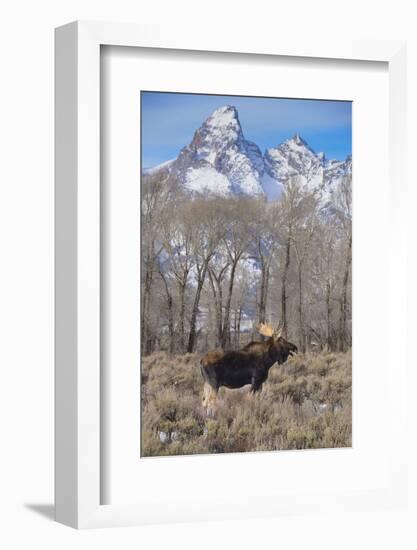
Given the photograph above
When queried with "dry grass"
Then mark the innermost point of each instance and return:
(305, 404)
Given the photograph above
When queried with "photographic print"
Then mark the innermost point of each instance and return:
(246, 256)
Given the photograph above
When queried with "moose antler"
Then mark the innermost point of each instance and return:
(278, 330)
(265, 329)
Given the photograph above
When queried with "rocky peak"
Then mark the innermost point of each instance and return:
(219, 160)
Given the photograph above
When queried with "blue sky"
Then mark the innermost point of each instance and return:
(169, 121)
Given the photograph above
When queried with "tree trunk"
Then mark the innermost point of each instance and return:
(145, 313)
(263, 297)
(239, 319)
(181, 320)
(284, 285)
(193, 322)
(170, 313)
(226, 322)
(329, 314)
(343, 298)
(218, 304)
(300, 309)
(235, 328)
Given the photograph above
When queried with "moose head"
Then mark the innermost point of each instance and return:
(278, 347)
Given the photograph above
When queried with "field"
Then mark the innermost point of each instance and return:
(305, 404)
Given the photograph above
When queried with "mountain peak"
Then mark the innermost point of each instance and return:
(226, 109)
(298, 139)
(221, 161)
(224, 117)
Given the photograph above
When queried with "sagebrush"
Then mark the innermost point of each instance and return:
(305, 404)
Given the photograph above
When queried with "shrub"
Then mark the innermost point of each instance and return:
(304, 404)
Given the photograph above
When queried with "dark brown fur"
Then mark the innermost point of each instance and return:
(250, 365)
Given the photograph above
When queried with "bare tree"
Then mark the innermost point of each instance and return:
(324, 277)
(343, 212)
(170, 309)
(177, 238)
(236, 240)
(211, 264)
(217, 274)
(245, 289)
(289, 212)
(264, 245)
(344, 297)
(209, 229)
(302, 237)
(154, 198)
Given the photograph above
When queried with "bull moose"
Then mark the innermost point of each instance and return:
(250, 365)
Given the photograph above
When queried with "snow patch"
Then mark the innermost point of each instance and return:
(163, 166)
(207, 179)
(272, 188)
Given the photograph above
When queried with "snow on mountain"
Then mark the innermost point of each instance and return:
(164, 166)
(336, 170)
(220, 161)
(291, 158)
(295, 157)
(272, 187)
(205, 179)
(334, 174)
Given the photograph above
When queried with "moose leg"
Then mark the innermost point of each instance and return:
(206, 394)
(212, 405)
(209, 399)
(256, 386)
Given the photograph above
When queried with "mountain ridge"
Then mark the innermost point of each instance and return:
(220, 161)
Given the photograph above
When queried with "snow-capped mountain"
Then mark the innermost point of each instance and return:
(295, 157)
(292, 158)
(220, 161)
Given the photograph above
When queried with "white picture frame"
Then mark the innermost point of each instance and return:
(77, 423)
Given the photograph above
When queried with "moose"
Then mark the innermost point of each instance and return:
(250, 365)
